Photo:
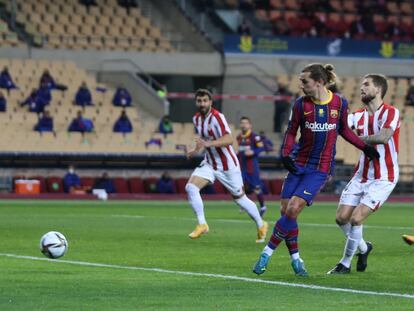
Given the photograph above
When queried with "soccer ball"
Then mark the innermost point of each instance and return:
(53, 244)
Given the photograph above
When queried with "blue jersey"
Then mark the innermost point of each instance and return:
(252, 141)
(320, 124)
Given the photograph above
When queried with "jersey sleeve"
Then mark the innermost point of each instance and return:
(344, 129)
(220, 124)
(290, 135)
(392, 119)
(195, 124)
(351, 121)
(258, 145)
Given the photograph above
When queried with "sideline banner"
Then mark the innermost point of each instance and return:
(318, 47)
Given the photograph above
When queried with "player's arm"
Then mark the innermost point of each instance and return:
(223, 141)
(196, 150)
(290, 134)
(382, 137)
(387, 130)
(352, 138)
(256, 147)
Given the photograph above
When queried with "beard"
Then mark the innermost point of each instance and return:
(367, 98)
(204, 110)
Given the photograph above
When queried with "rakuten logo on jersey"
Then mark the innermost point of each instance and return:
(320, 127)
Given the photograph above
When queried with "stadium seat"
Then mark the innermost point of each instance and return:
(54, 185)
(121, 185)
(275, 186)
(150, 184)
(136, 185)
(180, 184)
(87, 181)
(219, 188)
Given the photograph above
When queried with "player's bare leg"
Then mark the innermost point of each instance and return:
(193, 187)
(360, 213)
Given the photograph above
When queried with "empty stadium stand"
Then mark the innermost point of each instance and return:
(71, 25)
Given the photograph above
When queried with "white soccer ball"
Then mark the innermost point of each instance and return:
(53, 244)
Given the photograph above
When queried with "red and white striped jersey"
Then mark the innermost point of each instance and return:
(211, 127)
(386, 167)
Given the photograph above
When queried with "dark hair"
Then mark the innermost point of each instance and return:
(245, 118)
(322, 72)
(379, 81)
(203, 92)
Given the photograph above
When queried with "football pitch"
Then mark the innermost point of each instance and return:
(136, 255)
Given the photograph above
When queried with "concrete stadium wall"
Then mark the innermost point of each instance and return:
(194, 64)
(275, 65)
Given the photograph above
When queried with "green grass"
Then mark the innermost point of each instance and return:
(101, 232)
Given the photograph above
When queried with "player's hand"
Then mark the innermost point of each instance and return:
(201, 143)
(289, 164)
(249, 153)
(191, 153)
(371, 152)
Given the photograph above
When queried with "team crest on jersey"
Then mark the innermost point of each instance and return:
(321, 112)
(334, 113)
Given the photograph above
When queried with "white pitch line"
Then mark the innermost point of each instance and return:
(246, 221)
(216, 276)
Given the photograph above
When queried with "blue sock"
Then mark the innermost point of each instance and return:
(260, 198)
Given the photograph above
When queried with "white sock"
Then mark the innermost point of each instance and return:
(267, 250)
(194, 198)
(362, 246)
(345, 228)
(248, 205)
(295, 256)
(351, 245)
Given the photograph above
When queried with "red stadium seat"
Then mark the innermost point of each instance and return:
(150, 184)
(121, 185)
(266, 184)
(42, 180)
(136, 185)
(275, 186)
(87, 181)
(54, 185)
(180, 184)
(219, 188)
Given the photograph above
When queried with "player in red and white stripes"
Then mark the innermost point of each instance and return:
(220, 162)
(378, 124)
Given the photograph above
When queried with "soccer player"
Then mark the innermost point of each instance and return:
(250, 146)
(409, 239)
(377, 124)
(321, 115)
(220, 162)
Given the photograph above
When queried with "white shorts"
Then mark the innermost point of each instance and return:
(231, 179)
(372, 193)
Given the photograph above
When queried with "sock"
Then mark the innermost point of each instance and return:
(268, 250)
(345, 228)
(294, 256)
(362, 246)
(351, 245)
(248, 205)
(260, 198)
(292, 242)
(282, 227)
(194, 198)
